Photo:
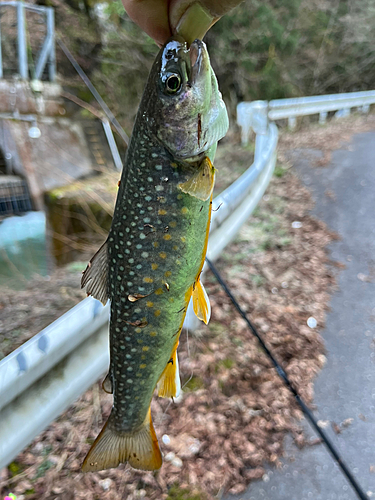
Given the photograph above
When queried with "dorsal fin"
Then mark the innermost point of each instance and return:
(201, 302)
(95, 276)
(201, 184)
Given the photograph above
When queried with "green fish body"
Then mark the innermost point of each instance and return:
(149, 267)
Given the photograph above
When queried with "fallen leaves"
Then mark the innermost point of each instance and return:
(235, 410)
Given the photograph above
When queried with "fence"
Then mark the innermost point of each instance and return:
(39, 51)
(46, 374)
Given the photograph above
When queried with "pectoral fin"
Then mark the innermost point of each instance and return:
(169, 385)
(201, 184)
(201, 302)
(95, 276)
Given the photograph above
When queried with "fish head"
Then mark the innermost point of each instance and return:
(189, 115)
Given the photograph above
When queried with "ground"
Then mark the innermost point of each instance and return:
(228, 425)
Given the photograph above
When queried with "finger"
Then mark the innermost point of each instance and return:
(192, 19)
(152, 16)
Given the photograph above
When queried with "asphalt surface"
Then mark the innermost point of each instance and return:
(344, 193)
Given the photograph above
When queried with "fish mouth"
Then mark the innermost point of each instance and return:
(197, 52)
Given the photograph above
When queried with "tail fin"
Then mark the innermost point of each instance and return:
(111, 448)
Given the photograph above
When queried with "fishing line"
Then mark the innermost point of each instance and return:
(95, 93)
(331, 447)
(188, 353)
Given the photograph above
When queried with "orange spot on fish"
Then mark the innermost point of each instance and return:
(159, 291)
(142, 366)
(175, 247)
(167, 274)
(155, 244)
(184, 210)
(148, 280)
(154, 266)
(162, 211)
(153, 334)
(162, 255)
(167, 237)
(149, 304)
(183, 239)
(173, 223)
(145, 348)
(157, 312)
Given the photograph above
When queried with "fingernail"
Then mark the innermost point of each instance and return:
(194, 23)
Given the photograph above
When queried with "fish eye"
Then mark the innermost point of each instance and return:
(173, 83)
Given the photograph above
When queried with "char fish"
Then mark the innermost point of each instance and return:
(150, 264)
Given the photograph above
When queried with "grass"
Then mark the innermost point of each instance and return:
(177, 493)
(194, 384)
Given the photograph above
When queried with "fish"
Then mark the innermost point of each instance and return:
(150, 265)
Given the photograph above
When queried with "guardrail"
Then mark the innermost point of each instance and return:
(301, 106)
(40, 379)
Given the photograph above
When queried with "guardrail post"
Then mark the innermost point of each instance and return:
(22, 50)
(323, 117)
(244, 121)
(342, 113)
(292, 123)
(259, 123)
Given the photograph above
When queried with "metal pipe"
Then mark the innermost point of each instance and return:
(22, 49)
(52, 52)
(112, 145)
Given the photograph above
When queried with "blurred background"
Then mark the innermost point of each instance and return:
(59, 168)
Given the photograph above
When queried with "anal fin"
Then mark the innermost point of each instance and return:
(201, 302)
(169, 385)
(95, 276)
(140, 448)
(201, 184)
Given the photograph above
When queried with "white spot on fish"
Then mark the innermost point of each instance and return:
(158, 167)
(159, 188)
(144, 255)
(142, 236)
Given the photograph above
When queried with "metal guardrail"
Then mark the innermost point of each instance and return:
(47, 51)
(301, 106)
(45, 375)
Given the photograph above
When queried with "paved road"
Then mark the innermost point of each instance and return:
(345, 199)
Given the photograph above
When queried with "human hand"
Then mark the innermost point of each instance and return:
(191, 19)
